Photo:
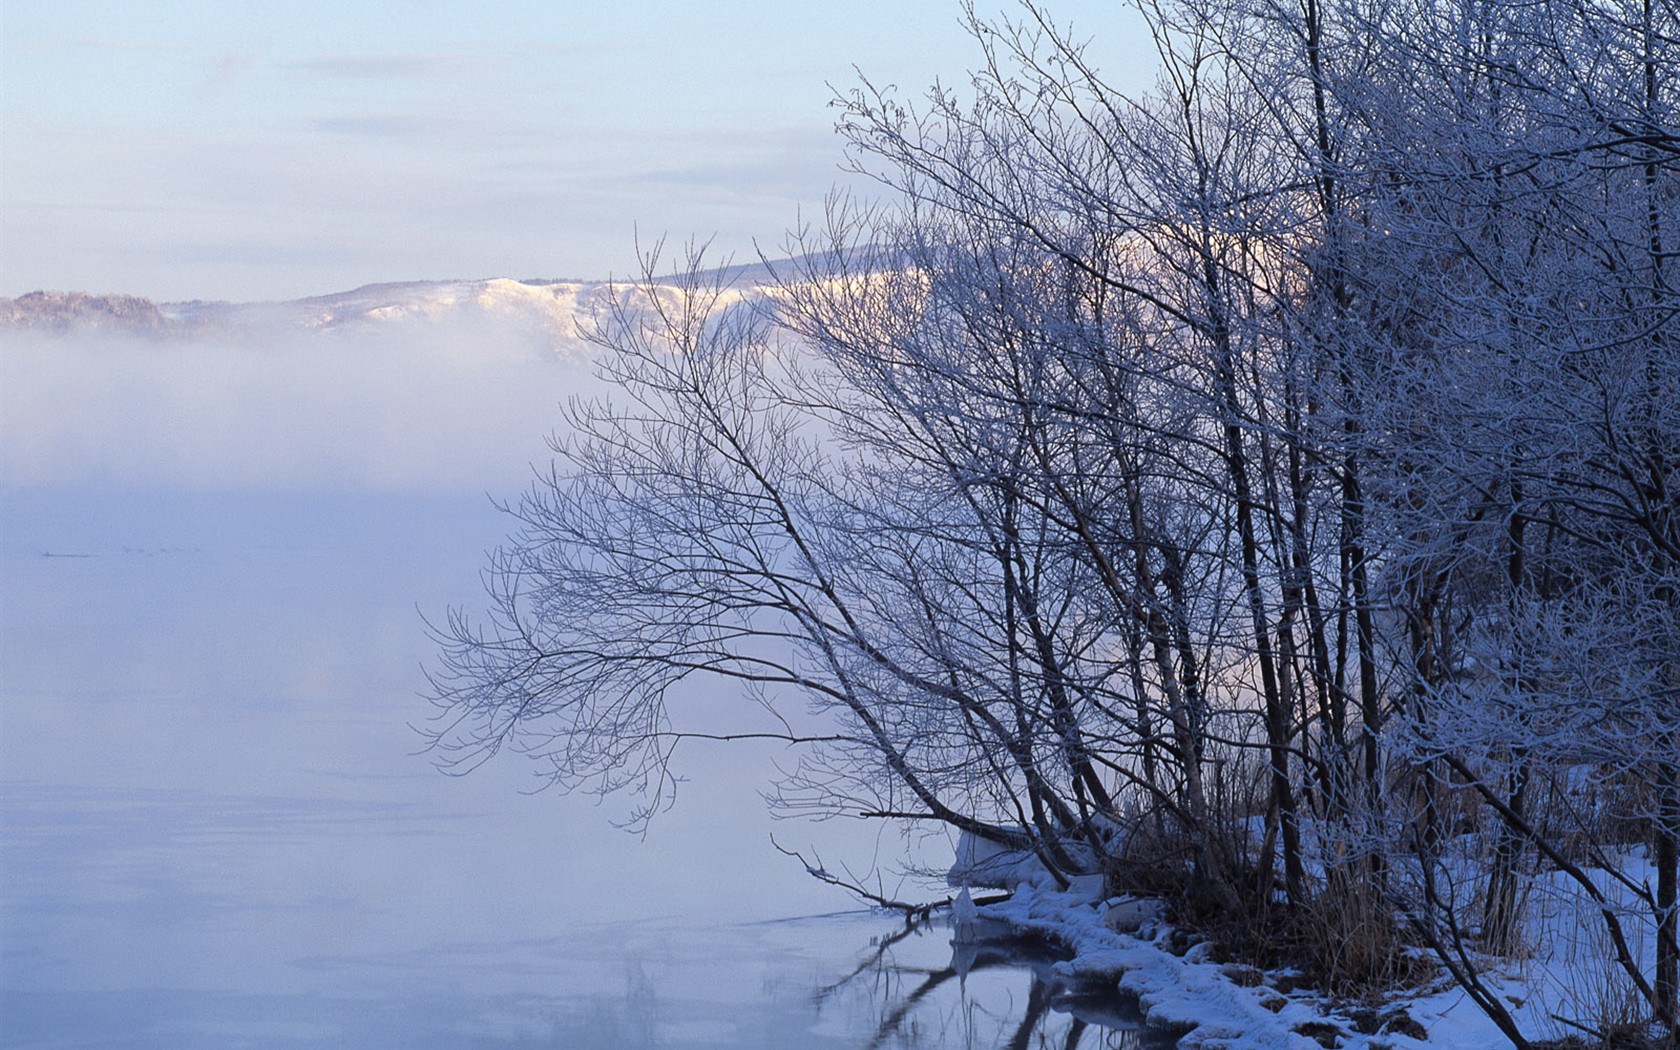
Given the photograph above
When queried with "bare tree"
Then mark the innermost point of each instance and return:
(1272, 478)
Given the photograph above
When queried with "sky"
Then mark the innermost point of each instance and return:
(240, 150)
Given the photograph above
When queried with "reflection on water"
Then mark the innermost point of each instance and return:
(996, 990)
(214, 831)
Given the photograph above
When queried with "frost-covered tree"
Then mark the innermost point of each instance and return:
(1272, 479)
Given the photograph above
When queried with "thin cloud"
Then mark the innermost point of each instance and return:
(391, 66)
(755, 164)
(390, 126)
(115, 44)
(228, 67)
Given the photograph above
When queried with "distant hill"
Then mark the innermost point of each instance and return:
(63, 311)
(548, 312)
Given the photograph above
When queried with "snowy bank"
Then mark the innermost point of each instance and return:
(1224, 1005)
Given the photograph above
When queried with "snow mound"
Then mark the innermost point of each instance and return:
(982, 862)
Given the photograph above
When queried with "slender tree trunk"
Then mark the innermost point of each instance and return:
(1499, 912)
(1667, 856)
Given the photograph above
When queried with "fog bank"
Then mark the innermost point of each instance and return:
(429, 408)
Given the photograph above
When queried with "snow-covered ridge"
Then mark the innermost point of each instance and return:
(555, 305)
(554, 313)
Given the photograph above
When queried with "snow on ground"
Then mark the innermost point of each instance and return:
(1222, 1005)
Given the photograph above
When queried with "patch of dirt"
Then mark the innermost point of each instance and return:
(1323, 1033)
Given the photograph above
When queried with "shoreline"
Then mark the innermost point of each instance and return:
(1225, 1006)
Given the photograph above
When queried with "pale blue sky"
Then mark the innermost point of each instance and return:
(243, 150)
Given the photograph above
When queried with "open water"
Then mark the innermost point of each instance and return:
(215, 830)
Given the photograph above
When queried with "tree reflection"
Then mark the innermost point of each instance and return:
(974, 1002)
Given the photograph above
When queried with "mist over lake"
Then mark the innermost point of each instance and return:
(219, 826)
